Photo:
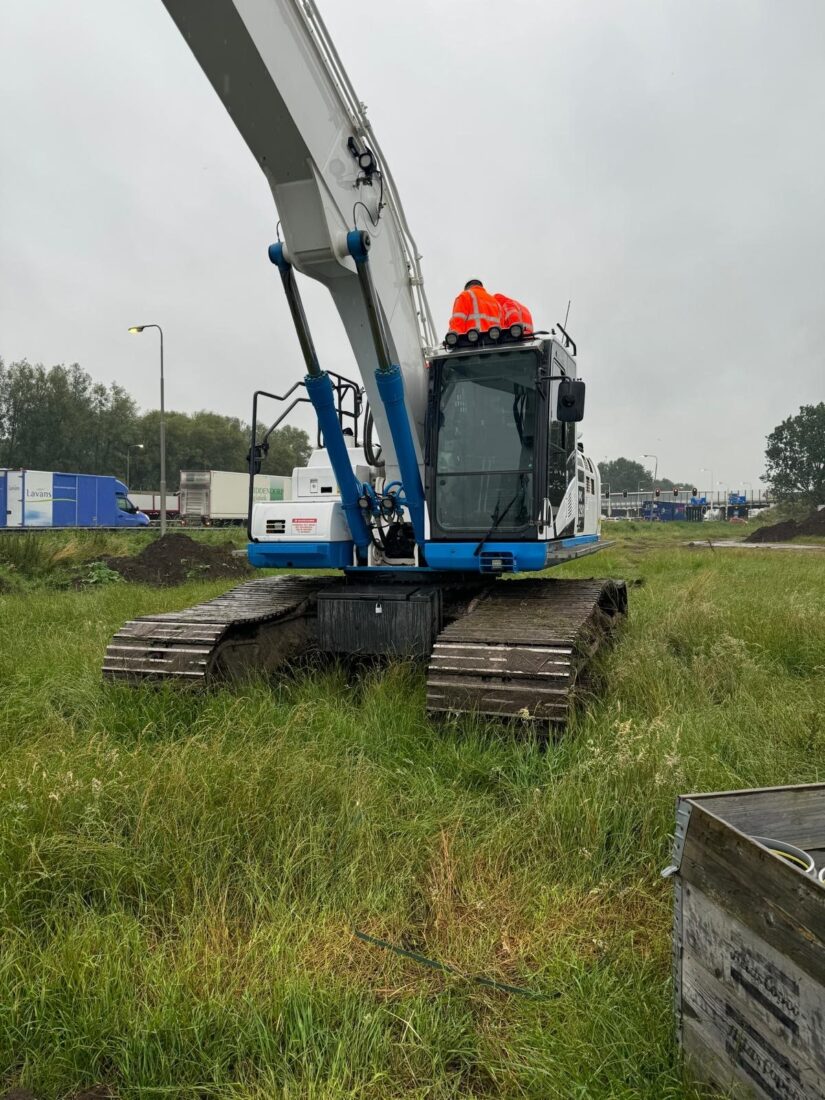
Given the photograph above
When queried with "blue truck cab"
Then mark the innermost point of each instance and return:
(127, 515)
(43, 498)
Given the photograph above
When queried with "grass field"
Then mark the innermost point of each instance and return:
(181, 874)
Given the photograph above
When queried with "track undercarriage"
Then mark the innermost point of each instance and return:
(504, 648)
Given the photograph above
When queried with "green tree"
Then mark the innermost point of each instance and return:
(208, 441)
(795, 456)
(624, 474)
(59, 418)
(288, 448)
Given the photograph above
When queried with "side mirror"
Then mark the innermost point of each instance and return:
(255, 457)
(570, 406)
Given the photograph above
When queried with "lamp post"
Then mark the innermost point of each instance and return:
(136, 329)
(655, 468)
(707, 470)
(129, 449)
(724, 501)
(655, 475)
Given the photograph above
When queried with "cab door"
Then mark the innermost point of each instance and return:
(126, 514)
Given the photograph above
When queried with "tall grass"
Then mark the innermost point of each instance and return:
(180, 874)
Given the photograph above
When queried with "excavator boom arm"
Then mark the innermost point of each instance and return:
(277, 72)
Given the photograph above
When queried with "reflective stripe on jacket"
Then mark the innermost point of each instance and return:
(475, 308)
(514, 313)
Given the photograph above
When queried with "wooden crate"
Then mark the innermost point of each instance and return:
(749, 942)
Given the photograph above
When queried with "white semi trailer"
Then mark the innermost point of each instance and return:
(221, 497)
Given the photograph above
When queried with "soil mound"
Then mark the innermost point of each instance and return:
(789, 529)
(177, 558)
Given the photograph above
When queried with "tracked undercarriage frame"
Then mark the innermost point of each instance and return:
(504, 648)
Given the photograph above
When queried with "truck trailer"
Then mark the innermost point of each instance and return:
(149, 504)
(43, 498)
(221, 497)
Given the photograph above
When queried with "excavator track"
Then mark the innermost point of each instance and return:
(523, 648)
(514, 648)
(256, 626)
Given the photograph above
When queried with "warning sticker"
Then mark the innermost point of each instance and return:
(304, 525)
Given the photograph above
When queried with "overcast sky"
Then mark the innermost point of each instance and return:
(660, 163)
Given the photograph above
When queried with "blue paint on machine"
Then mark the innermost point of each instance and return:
(567, 544)
(506, 557)
(494, 557)
(454, 557)
(300, 555)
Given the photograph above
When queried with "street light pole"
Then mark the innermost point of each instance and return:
(655, 475)
(706, 470)
(129, 449)
(140, 328)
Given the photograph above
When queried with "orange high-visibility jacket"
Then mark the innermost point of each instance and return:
(514, 313)
(474, 308)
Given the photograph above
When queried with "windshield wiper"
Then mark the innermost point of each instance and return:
(500, 517)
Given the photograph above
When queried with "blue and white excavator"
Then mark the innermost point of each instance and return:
(477, 475)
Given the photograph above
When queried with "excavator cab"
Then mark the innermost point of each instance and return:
(501, 452)
(485, 425)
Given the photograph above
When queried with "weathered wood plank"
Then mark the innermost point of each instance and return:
(708, 1061)
(736, 983)
(749, 943)
(794, 814)
(772, 898)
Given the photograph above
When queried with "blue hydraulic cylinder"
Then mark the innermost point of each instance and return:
(391, 390)
(319, 389)
(390, 386)
(320, 393)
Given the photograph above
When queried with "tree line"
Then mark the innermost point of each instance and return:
(794, 463)
(59, 418)
(625, 475)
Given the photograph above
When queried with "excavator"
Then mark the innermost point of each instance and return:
(444, 475)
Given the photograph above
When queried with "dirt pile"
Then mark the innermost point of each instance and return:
(177, 558)
(789, 529)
